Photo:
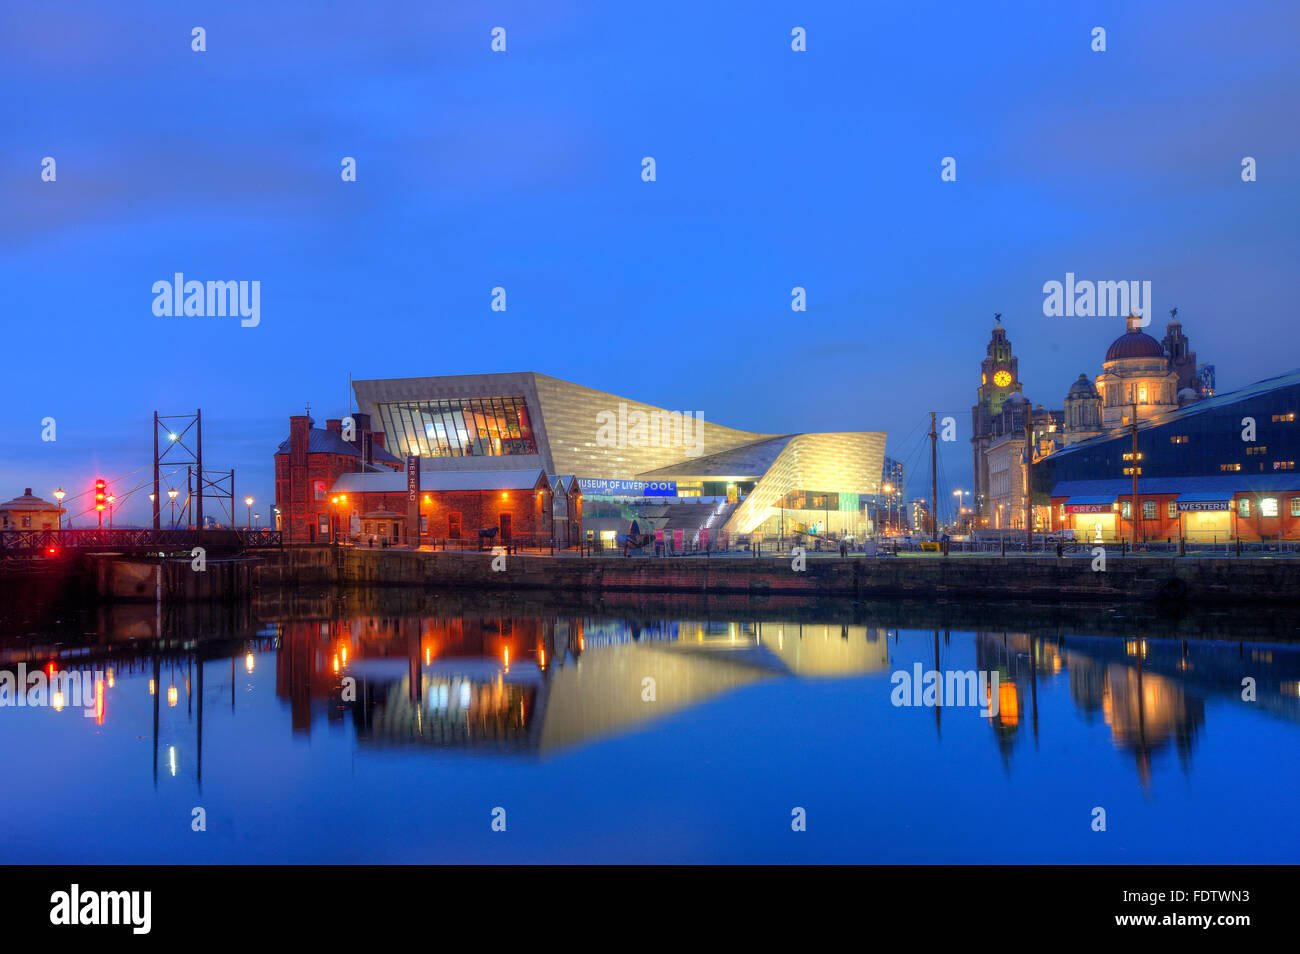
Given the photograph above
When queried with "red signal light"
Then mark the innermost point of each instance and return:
(53, 551)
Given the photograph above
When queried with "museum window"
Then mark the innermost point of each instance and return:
(491, 426)
(1126, 510)
(1268, 507)
(1173, 510)
(1295, 506)
(1243, 507)
(1148, 510)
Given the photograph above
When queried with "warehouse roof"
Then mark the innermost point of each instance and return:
(442, 480)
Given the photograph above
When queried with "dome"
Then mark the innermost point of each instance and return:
(1017, 398)
(1134, 344)
(1082, 388)
(1187, 396)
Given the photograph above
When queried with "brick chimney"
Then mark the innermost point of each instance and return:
(299, 425)
(334, 424)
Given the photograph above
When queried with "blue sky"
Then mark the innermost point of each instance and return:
(479, 169)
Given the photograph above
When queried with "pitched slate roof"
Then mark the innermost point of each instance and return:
(443, 480)
(324, 441)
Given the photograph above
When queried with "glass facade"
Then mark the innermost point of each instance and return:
(460, 427)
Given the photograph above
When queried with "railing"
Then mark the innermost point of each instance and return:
(37, 541)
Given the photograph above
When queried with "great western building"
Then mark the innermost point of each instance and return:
(673, 469)
(1217, 468)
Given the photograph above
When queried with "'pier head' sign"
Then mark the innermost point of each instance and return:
(413, 500)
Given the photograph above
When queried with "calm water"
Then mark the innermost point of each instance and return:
(545, 713)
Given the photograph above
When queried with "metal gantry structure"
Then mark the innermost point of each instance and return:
(179, 431)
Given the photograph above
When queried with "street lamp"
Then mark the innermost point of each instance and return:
(59, 495)
(172, 495)
(889, 504)
(258, 518)
(111, 498)
(249, 502)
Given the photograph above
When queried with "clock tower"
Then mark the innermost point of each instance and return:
(999, 374)
(999, 379)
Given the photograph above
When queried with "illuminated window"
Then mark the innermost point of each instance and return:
(1173, 510)
(1178, 439)
(1128, 471)
(459, 427)
(1230, 467)
(1063, 509)
(1284, 418)
(1295, 506)
(1268, 507)
(1243, 507)
(1148, 510)
(1126, 510)
(1284, 465)
(1251, 451)
(1129, 456)
(318, 490)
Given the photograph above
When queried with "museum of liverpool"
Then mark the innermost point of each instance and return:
(670, 470)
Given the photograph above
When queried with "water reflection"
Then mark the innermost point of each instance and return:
(536, 685)
(527, 683)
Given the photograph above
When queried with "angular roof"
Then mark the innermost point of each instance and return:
(324, 441)
(1204, 488)
(748, 460)
(1289, 379)
(394, 482)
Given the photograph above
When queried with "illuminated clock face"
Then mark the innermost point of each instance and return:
(1002, 378)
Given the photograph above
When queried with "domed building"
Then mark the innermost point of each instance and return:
(1138, 375)
(1082, 411)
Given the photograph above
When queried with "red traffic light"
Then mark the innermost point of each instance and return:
(101, 493)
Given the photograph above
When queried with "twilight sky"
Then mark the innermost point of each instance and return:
(523, 170)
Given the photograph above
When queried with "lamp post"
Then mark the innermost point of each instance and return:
(960, 495)
(111, 498)
(248, 501)
(59, 495)
(889, 505)
(172, 495)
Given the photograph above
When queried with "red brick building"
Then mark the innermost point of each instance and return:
(309, 463)
(1248, 507)
(519, 505)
